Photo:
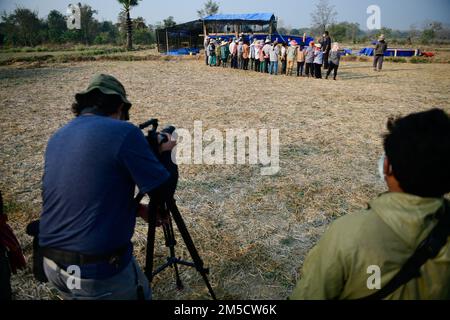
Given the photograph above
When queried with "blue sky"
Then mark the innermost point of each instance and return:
(397, 14)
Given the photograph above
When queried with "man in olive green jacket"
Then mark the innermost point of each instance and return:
(416, 168)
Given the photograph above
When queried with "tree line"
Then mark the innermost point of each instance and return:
(23, 27)
(324, 17)
(432, 33)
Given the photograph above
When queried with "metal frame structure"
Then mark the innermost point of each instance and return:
(190, 35)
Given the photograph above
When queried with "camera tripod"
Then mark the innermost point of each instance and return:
(170, 213)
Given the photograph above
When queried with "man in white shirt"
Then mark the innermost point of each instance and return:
(266, 50)
(274, 52)
(233, 53)
(252, 54)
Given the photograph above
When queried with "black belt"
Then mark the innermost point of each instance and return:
(68, 258)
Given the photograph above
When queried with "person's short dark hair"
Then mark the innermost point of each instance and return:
(418, 148)
(107, 104)
(327, 33)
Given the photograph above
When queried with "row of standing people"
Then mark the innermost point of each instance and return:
(273, 57)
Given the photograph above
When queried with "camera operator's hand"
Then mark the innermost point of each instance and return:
(160, 218)
(169, 145)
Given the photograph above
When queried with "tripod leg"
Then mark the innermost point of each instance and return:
(173, 243)
(150, 241)
(190, 245)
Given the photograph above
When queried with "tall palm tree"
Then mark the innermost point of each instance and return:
(127, 5)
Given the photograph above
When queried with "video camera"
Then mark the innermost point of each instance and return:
(155, 139)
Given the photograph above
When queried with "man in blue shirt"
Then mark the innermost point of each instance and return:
(92, 166)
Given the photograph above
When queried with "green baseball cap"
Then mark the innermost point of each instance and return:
(108, 85)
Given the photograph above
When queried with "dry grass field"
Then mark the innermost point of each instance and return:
(252, 231)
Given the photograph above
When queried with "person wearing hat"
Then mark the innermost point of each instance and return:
(92, 166)
(218, 52)
(274, 54)
(206, 44)
(325, 42)
(262, 59)
(266, 50)
(240, 54)
(252, 55)
(318, 61)
(246, 54)
(300, 60)
(309, 59)
(212, 53)
(283, 55)
(380, 51)
(258, 54)
(233, 52)
(291, 56)
(230, 42)
(224, 53)
(335, 57)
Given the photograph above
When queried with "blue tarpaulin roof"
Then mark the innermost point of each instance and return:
(260, 17)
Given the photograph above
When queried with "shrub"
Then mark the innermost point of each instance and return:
(396, 59)
(420, 60)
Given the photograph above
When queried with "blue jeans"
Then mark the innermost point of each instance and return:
(273, 68)
(122, 286)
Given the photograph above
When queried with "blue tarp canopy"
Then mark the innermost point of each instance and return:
(250, 17)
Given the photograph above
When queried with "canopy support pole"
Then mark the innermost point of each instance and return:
(167, 41)
(205, 29)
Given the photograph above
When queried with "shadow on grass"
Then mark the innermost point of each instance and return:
(352, 76)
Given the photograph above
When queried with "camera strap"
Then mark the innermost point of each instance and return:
(427, 250)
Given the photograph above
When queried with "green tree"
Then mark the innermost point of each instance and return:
(56, 24)
(8, 30)
(110, 31)
(413, 34)
(169, 22)
(428, 35)
(435, 30)
(345, 31)
(139, 23)
(89, 25)
(338, 32)
(23, 27)
(143, 34)
(72, 36)
(127, 5)
(209, 8)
